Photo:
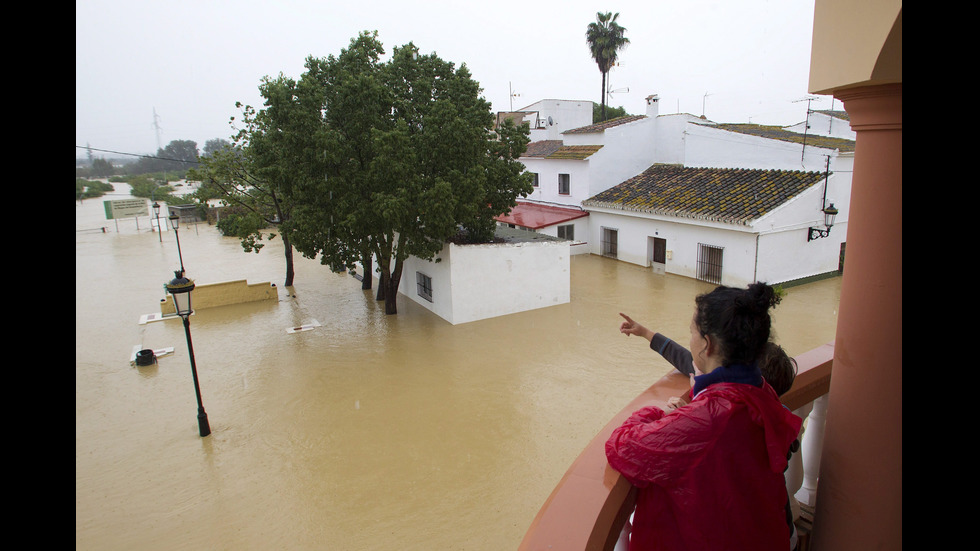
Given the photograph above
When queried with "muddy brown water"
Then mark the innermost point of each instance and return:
(367, 432)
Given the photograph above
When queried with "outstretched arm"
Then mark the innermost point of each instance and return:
(677, 355)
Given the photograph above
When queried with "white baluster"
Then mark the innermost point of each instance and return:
(812, 446)
(794, 472)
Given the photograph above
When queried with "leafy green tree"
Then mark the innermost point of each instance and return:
(605, 38)
(85, 188)
(611, 113)
(257, 170)
(144, 186)
(214, 145)
(102, 168)
(178, 156)
(408, 160)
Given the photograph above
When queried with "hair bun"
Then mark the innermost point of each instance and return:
(762, 295)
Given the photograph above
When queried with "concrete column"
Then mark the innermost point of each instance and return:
(859, 500)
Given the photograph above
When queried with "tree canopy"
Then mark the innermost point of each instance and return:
(376, 161)
(255, 172)
(409, 160)
(605, 38)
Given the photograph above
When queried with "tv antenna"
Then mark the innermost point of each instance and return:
(806, 124)
(703, 100)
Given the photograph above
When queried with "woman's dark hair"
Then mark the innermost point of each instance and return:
(737, 320)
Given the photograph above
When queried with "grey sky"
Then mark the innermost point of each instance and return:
(190, 61)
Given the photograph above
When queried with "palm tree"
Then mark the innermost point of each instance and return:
(605, 38)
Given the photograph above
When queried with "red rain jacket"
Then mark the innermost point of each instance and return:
(710, 474)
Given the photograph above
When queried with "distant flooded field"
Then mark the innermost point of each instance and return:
(367, 432)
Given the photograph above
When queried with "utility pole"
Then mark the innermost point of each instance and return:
(156, 126)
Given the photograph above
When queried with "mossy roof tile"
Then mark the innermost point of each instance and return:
(778, 133)
(574, 152)
(602, 126)
(736, 196)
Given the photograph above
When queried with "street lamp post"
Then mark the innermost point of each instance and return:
(174, 223)
(156, 213)
(180, 288)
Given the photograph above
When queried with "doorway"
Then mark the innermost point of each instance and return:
(657, 254)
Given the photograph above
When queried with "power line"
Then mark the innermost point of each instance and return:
(133, 154)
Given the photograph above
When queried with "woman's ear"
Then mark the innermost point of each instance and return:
(710, 347)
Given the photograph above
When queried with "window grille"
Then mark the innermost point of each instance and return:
(424, 285)
(709, 263)
(610, 242)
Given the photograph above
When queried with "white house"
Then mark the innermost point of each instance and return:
(572, 163)
(466, 283)
(721, 225)
(594, 167)
(831, 123)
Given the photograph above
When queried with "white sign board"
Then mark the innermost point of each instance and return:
(125, 208)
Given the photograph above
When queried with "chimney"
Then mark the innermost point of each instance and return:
(653, 105)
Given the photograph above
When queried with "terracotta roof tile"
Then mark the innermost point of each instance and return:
(736, 196)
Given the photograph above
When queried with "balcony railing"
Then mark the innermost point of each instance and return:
(592, 502)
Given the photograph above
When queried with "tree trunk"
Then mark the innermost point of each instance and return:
(603, 96)
(391, 289)
(288, 251)
(367, 280)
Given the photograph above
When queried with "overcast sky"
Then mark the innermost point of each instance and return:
(186, 63)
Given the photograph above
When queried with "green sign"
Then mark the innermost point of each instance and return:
(125, 208)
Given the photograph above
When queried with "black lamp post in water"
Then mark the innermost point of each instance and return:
(180, 287)
(174, 223)
(156, 212)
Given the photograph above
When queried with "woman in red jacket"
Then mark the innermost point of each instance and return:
(710, 474)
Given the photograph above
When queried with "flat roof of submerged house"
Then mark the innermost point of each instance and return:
(538, 215)
(504, 234)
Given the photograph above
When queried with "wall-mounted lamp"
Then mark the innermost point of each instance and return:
(829, 214)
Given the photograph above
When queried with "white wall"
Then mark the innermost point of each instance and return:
(565, 115)
(474, 282)
(628, 149)
(682, 239)
(548, 170)
(711, 147)
(580, 244)
(822, 124)
(774, 252)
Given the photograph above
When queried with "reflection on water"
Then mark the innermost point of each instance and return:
(368, 432)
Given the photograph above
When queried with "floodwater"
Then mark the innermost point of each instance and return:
(367, 432)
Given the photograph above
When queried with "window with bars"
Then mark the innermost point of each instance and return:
(709, 263)
(424, 285)
(609, 242)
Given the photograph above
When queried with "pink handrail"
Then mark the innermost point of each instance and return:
(589, 506)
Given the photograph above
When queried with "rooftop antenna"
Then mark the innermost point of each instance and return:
(706, 94)
(512, 95)
(806, 125)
